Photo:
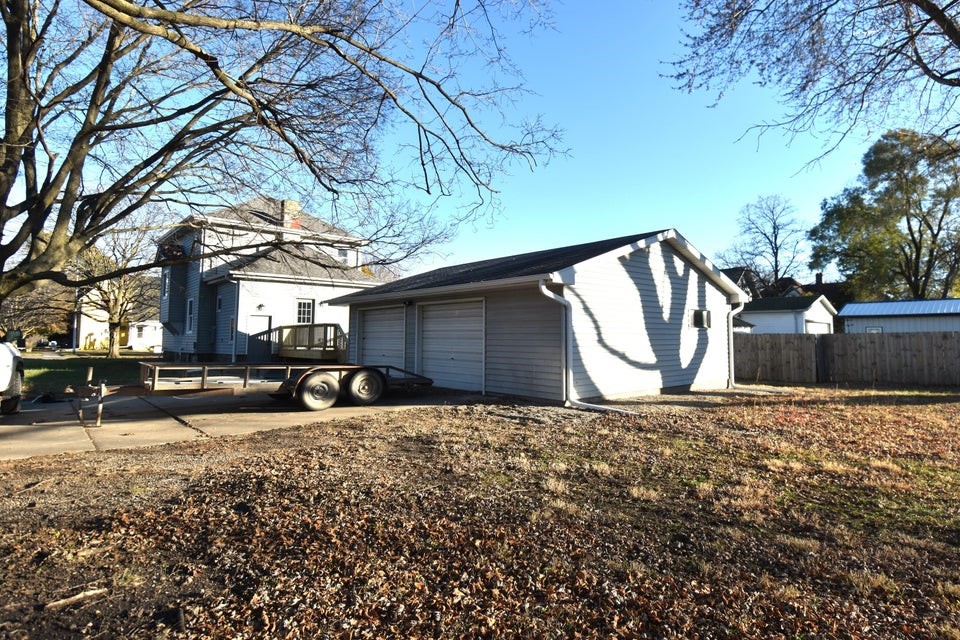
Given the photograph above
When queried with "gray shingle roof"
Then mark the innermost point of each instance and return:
(505, 268)
(264, 210)
(949, 306)
(319, 266)
(792, 303)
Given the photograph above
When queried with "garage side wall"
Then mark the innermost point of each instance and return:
(633, 325)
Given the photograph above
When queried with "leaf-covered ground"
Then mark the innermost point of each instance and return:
(808, 513)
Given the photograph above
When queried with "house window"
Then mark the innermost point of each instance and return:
(304, 311)
(140, 331)
(164, 283)
(873, 330)
(190, 315)
(219, 304)
(700, 318)
(344, 255)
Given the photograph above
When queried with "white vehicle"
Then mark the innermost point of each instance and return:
(11, 373)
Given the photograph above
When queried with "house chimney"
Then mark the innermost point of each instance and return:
(290, 214)
(819, 279)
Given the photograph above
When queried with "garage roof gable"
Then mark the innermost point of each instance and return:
(529, 267)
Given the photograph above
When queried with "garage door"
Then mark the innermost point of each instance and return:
(451, 344)
(381, 336)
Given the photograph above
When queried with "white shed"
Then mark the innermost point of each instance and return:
(794, 314)
(905, 316)
(613, 318)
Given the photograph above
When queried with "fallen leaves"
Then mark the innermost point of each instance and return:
(795, 515)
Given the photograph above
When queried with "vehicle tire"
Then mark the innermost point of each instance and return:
(318, 391)
(366, 386)
(12, 405)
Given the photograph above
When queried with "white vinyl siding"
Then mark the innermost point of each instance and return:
(524, 342)
(381, 336)
(902, 324)
(630, 325)
(451, 344)
(816, 319)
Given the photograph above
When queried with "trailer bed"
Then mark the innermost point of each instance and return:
(281, 379)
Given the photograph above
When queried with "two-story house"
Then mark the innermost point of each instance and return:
(211, 306)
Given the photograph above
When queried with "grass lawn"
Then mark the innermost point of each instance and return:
(52, 374)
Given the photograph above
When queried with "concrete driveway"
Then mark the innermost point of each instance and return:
(138, 421)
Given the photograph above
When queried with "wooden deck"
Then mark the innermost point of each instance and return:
(314, 342)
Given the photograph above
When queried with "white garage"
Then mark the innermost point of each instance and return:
(451, 344)
(382, 336)
(612, 318)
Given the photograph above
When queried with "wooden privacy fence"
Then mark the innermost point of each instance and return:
(905, 359)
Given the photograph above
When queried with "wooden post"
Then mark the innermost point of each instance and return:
(103, 390)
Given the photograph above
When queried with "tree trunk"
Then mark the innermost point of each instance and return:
(114, 350)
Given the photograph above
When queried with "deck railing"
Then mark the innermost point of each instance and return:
(319, 342)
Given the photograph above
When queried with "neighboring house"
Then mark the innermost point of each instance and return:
(615, 318)
(746, 279)
(210, 307)
(785, 287)
(793, 314)
(836, 292)
(907, 316)
(91, 332)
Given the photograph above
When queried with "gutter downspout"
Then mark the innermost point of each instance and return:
(568, 399)
(731, 381)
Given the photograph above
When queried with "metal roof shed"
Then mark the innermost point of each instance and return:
(904, 316)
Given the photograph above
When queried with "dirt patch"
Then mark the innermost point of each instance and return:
(808, 513)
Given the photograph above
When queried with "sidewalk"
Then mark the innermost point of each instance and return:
(140, 421)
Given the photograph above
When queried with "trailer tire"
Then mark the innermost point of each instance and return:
(366, 386)
(318, 391)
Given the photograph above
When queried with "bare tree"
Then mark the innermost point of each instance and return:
(37, 313)
(121, 300)
(770, 240)
(111, 106)
(836, 62)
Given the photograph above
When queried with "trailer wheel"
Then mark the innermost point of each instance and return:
(366, 386)
(318, 391)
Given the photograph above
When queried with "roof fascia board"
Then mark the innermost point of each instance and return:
(452, 289)
(275, 277)
(735, 294)
(826, 303)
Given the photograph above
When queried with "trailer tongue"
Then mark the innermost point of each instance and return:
(316, 387)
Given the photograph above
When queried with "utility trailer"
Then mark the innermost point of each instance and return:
(315, 386)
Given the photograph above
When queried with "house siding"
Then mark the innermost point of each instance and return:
(798, 321)
(775, 321)
(631, 325)
(225, 319)
(901, 324)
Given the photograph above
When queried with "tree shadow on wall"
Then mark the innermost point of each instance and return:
(663, 324)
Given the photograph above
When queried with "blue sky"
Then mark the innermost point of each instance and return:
(643, 155)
